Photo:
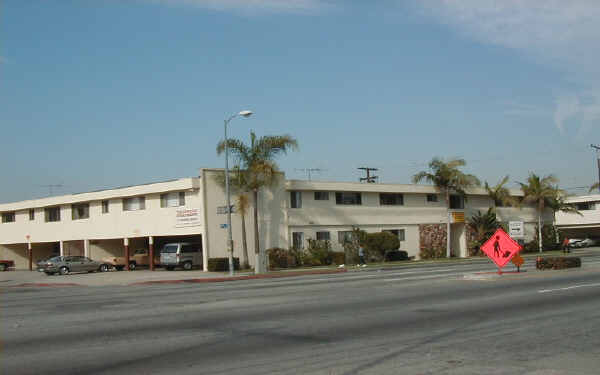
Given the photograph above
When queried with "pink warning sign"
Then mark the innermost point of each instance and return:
(500, 248)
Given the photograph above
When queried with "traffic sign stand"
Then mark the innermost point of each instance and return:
(501, 249)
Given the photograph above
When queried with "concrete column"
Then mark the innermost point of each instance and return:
(151, 253)
(86, 248)
(62, 248)
(126, 245)
(30, 254)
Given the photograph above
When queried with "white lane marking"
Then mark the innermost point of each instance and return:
(567, 288)
(422, 277)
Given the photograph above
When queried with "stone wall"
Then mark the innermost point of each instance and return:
(432, 242)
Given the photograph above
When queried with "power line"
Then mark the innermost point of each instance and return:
(309, 170)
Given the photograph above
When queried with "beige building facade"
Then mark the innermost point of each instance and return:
(103, 223)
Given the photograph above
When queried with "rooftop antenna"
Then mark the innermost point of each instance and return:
(309, 170)
(51, 186)
(369, 179)
(597, 148)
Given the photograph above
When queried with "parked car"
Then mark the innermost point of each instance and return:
(140, 257)
(575, 243)
(587, 242)
(181, 254)
(6, 264)
(69, 264)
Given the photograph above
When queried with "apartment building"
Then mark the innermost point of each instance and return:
(114, 221)
(585, 224)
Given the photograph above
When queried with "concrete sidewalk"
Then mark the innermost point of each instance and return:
(138, 277)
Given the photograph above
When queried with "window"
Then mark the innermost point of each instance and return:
(388, 199)
(8, 217)
(321, 195)
(348, 198)
(189, 249)
(397, 232)
(345, 236)
(457, 202)
(432, 198)
(134, 203)
(104, 207)
(296, 199)
(323, 236)
(298, 240)
(585, 206)
(31, 214)
(172, 199)
(52, 214)
(80, 211)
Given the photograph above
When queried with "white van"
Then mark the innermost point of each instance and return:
(181, 254)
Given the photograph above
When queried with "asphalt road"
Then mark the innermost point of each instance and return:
(421, 320)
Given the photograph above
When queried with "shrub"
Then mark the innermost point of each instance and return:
(222, 264)
(379, 243)
(338, 257)
(433, 253)
(557, 263)
(395, 255)
(281, 258)
(318, 253)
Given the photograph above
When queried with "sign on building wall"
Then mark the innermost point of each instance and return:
(458, 217)
(222, 210)
(516, 229)
(189, 217)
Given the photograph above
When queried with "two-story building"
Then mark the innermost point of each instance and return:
(109, 222)
(586, 223)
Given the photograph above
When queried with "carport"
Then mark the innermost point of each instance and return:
(160, 241)
(581, 231)
(26, 254)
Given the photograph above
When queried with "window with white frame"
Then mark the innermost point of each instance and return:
(432, 198)
(321, 195)
(105, 207)
(134, 203)
(323, 236)
(80, 211)
(345, 236)
(31, 214)
(585, 206)
(457, 202)
(298, 240)
(8, 217)
(52, 214)
(348, 198)
(172, 199)
(295, 199)
(391, 199)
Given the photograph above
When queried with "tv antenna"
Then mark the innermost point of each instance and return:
(369, 179)
(52, 186)
(309, 170)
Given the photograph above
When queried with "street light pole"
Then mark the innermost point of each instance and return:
(227, 193)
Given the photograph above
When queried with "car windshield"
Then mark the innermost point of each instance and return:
(54, 259)
(169, 249)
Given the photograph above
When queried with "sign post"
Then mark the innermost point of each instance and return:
(500, 248)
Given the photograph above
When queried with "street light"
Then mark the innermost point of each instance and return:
(229, 235)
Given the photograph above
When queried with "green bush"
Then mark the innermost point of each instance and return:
(557, 263)
(318, 253)
(281, 258)
(380, 242)
(433, 253)
(338, 257)
(222, 264)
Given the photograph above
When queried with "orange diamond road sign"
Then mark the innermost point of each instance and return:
(500, 248)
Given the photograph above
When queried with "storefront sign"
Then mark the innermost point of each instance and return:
(189, 217)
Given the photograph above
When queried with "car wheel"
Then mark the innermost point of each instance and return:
(132, 266)
(63, 270)
(2, 267)
(187, 266)
(104, 268)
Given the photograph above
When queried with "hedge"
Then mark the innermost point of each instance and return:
(338, 257)
(395, 255)
(557, 263)
(222, 264)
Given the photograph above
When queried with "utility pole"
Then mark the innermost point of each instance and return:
(597, 148)
(369, 179)
(308, 170)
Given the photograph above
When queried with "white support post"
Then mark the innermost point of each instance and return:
(86, 248)
(62, 248)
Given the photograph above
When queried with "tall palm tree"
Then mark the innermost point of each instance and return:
(257, 160)
(483, 225)
(447, 178)
(500, 194)
(539, 192)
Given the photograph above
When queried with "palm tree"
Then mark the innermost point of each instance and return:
(557, 203)
(256, 160)
(539, 192)
(483, 225)
(446, 177)
(500, 194)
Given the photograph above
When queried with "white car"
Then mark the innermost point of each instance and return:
(587, 242)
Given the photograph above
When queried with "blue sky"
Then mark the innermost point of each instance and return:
(105, 93)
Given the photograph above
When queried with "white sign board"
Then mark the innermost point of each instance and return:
(189, 217)
(516, 229)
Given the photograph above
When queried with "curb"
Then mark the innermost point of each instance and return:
(43, 285)
(237, 278)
